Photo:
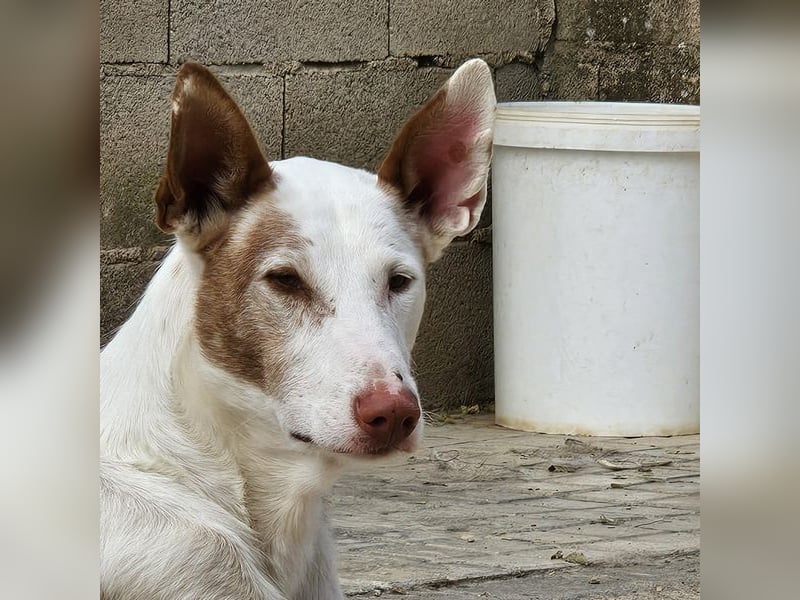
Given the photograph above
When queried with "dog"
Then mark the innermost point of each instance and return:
(273, 344)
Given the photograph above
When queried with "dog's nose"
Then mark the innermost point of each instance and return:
(387, 416)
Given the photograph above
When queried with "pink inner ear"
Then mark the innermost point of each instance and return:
(444, 165)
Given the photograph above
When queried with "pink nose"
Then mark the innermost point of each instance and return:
(388, 417)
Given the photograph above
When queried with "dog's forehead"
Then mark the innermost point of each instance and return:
(339, 208)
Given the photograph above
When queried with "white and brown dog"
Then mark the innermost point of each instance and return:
(273, 343)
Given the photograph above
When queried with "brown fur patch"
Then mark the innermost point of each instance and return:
(214, 163)
(243, 326)
(398, 173)
(398, 169)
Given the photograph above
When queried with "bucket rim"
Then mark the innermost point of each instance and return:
(601, 113)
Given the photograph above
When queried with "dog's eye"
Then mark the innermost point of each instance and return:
(286, 280)
(399, 283)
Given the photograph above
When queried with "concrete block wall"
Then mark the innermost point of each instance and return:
(335, 79)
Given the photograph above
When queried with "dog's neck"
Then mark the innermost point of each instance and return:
(137, 395)
(166, 409)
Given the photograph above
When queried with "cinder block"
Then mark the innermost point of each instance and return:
(133, 30)
(352, 116)
(121, 286)
(664, 22)
(656, 75)
(517, 82)
(675, 75)
(454, 351)
(134, 119)
(626, 76)
(676, 22)
(570, 72)
(469, 26)
(134, 129)
(261, 99)
(252, 31)
(577, 71)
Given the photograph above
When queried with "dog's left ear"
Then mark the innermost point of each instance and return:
(440, 159)
(214, 163)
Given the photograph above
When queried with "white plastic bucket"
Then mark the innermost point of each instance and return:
(595, 212)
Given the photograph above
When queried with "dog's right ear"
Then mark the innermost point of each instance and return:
(214, 163)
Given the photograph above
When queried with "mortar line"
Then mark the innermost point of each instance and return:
(283, 119)
(388, 28)
(169, 27)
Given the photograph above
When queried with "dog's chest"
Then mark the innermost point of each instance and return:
(283, 500)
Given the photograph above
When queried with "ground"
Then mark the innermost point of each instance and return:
(485, 512)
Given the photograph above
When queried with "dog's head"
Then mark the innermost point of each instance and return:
(312, 279)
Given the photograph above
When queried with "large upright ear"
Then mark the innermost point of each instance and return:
(214, 163)
(440, 160)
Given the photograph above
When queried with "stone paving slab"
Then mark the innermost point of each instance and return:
(673, 578)
(481, 502)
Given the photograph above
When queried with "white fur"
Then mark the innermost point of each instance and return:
(205, 494)
(168, 437)
(367, 333)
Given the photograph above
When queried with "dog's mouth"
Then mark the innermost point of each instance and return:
(355, 451)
